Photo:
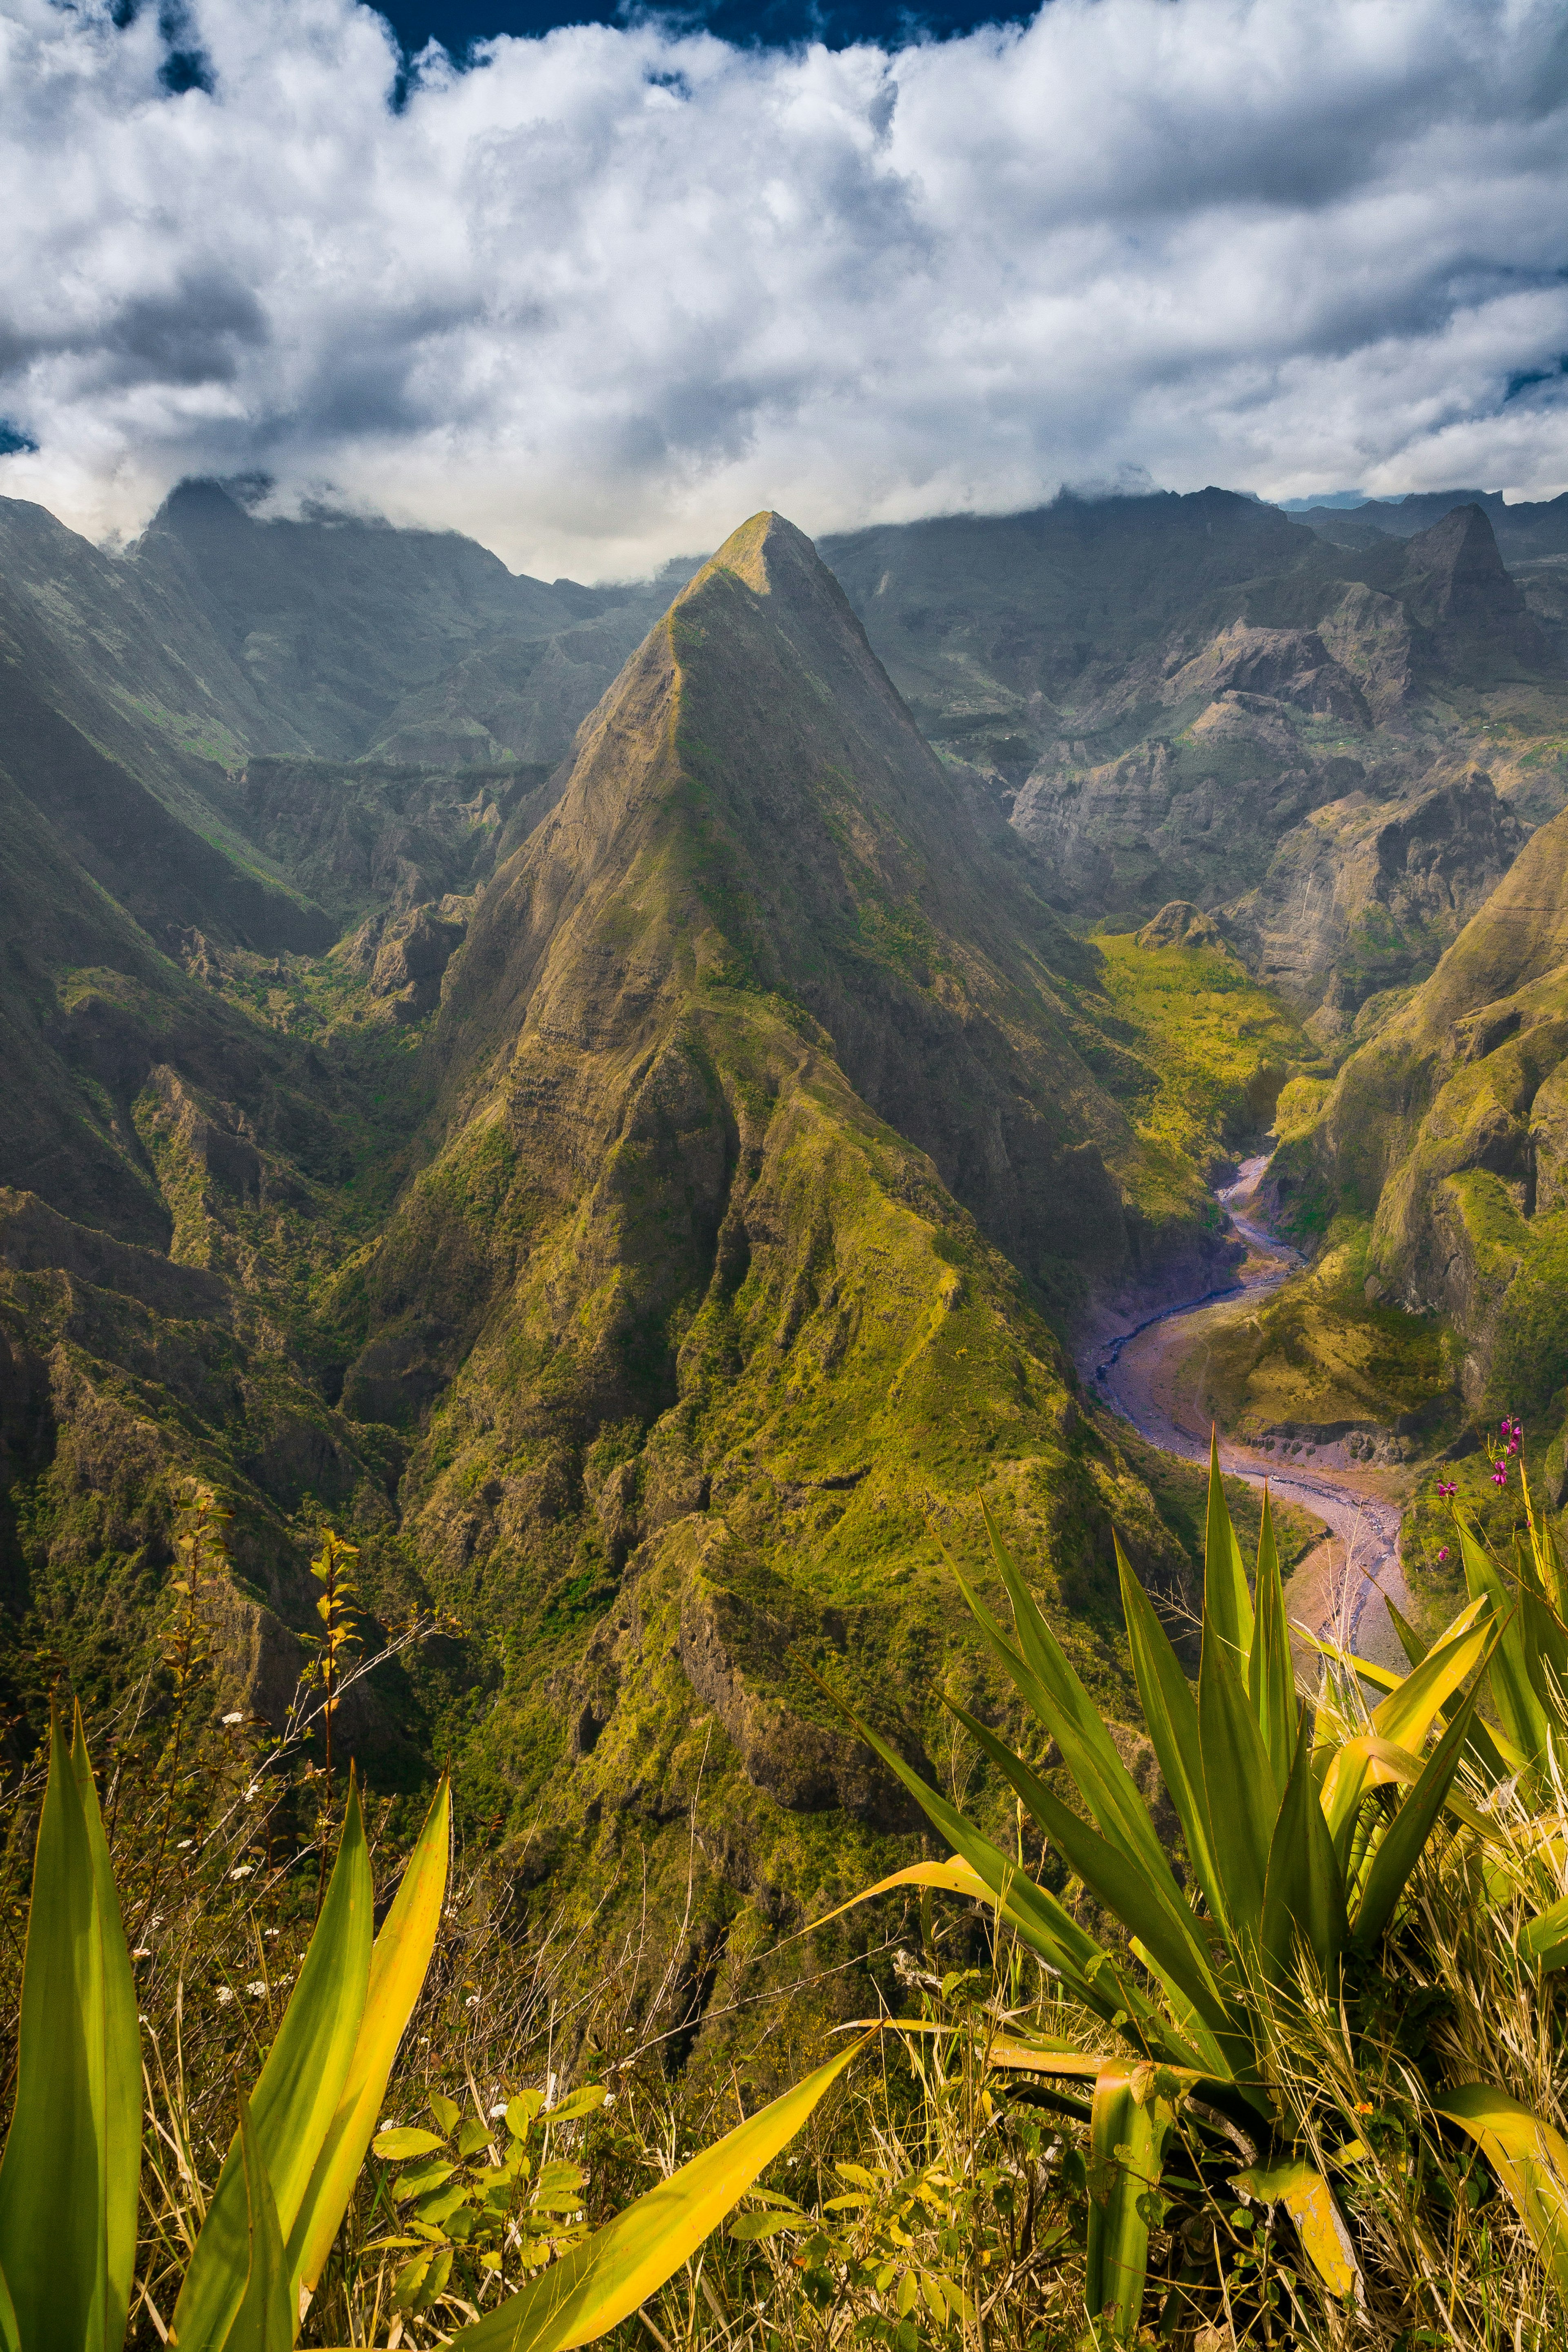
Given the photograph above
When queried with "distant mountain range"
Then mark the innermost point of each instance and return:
(625, 1097)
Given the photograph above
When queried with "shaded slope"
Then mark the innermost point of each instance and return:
(349, 636)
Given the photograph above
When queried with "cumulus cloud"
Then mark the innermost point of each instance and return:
(594, 298)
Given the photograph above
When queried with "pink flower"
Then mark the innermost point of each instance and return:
(1500, 1475)
(1443, 1555)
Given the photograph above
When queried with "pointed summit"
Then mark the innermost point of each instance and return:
(1456, 586)
(752, 811)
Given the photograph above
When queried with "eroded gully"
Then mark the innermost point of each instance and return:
(1337, 1592)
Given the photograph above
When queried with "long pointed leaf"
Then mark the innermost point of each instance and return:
(294, 2101)
(1304, 1894)
(1152, 1910)
(1078, 1726)
(265, 2319)
(1408, 1714)
(1529, 2157)
(68, 2178)
(1127, 2139)
(613, 2273)
(1545, 1938)
(398, 1963)
(1171, 1715)
(1518, 1703)
(1271, 1677)
(949, 1877)
(1045, 1924)
(1228, 1605)
(1408, 1832)
(10, 2334)
(1238, 1788)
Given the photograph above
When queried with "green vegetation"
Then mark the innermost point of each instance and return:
(1216, 1048)
(1305, 2079)
(1331, 1866)
(1320, 1352)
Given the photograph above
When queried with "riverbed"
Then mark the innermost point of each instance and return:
(1338, 1591)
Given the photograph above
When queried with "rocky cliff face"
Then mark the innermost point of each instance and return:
(1448, 1129)
(1242, 741)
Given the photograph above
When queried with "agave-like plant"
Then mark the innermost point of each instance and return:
(1301, 1827)
(70, 2174)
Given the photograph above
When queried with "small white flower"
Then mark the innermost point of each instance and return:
(252, 1794)
(258, 1990)
(235, 1717)
(143, 1952)
(498, 2111)
(184, 1842)
(245, 1870)
(472, 2001)
(424, 2039)
(387, 2122)
(274, 1931)
(224, 1996)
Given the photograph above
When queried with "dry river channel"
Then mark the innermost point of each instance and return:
(1145, 1375)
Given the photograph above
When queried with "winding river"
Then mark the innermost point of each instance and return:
(1338, 1591)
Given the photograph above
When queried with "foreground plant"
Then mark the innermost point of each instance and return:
(1302, 1829)
(69, 2178)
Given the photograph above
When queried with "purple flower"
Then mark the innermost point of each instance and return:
(1500, 1475)
(1517, 1431)
(1443, 1555)
(1504, 1425)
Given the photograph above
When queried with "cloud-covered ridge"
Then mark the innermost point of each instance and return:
(602, 293)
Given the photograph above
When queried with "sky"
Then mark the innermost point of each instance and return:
(594, 293)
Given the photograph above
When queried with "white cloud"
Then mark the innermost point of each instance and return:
(602, 296)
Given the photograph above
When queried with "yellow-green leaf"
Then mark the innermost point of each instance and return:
(70, 2177)
(1238, 1787)
(1529, 2157)
(297, 2096)
(1271, 1676)
(1408, 1714)
(1127, 2139)
(587, 2100)
(265, 2319)
(1228, 1604)
(1308, 2200)
(399, 2145)
(398, 1964)
(605, 2278)
(954, 1877)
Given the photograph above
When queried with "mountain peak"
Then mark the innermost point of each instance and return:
(1456, 584)
(765, 545)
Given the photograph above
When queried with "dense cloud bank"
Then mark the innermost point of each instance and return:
(601, 294)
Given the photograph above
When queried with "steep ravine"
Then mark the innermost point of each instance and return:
(1338, 1591)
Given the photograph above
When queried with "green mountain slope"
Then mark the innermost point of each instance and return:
(766, 1129)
